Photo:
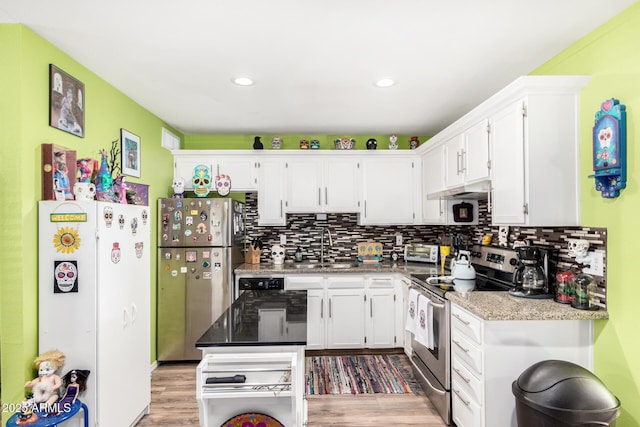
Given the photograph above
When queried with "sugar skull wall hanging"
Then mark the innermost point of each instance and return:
(116, 254)
(66, 277)
(108, 216)
(201, 180)
(610, 148)
(223, 184)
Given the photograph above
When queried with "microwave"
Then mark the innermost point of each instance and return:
(419, 252)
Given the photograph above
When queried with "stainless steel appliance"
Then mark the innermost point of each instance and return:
(199, 245)
(432, 367)
(535, 275)
(419, 252)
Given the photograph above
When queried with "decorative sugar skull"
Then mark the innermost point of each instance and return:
(115, 253)
(223, 184)
(578, 248)
(145, 217)
(178, 188)
(277, 254)
(139, 246)
(414, 142)
(372, 144)
(84, 190)
(201, 180)
(304, 144)
(276, 143)
(315, 144)
(604, 137)
(121, 221)
(393, 142)
(134, 225)
(503, 235)
(66, 275)
(108, 216)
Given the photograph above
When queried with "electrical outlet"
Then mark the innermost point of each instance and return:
(596, 264)
(283, 239)
(398, 239)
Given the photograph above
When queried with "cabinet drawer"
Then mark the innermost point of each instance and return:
(466, 351)
(303, 282)
(466, 323)
(466, 412)
(464, 379)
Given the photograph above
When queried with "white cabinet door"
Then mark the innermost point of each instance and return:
(241, 169)
(316, 325)
(389, 195)
(323, 185)
(346, 318)
(271, 209)
(454, 168)
(508, 202)
(342, 181)
(433, 211)
(381, 312)
(475, 156)
(183, 167)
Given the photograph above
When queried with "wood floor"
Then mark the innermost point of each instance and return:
(173, 403)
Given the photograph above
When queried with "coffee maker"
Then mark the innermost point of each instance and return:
(534, 277)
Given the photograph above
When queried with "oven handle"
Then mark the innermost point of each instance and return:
(435, 390)
(419, 289)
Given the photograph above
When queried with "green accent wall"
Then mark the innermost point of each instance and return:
(24, 118)
(610, 55)
(289, 142)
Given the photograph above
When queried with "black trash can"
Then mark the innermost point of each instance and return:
(556, 393)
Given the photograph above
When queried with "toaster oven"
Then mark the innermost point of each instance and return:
(419, 252)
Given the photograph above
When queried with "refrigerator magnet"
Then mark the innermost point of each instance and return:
(66, 240)
(139, 246)
(121, 221)
(203, 216)
(116, 254)
(183, 270)
(206, 275)
(205, 254)
(217, 266)
(167, 255)
(134, 226)
(188, 220)
(201, 228)
(187, 232)
(174, 273)
(206, 264)
(145, 216)
(65, 277)
(191, 256)
(178, 203)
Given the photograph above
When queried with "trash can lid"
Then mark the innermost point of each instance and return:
(564, 385)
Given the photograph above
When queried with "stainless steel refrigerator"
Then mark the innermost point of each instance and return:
(199, 245)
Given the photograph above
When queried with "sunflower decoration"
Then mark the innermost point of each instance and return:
(66, 240)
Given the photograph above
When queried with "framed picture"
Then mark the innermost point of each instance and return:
(66, 102)
(130, 151)
(58, 172)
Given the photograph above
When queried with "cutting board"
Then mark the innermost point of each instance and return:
(369, 252)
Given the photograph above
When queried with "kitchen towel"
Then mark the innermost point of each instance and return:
(412, 311)
(424, 328)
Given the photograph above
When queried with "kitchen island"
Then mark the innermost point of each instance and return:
(253, 360)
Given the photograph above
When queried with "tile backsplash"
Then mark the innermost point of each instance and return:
(304, 231)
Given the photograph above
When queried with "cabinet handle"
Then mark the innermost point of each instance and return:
(457, 392)
(322, 308)
(281, 327)
(319, 197)
(441, 210)
(463, 161)
(466, 350)
(466, 380)
(134, 313)
(371, 307)
(365, 208)
(329, 308)
(281, 208)
(326, 197)
(489, 200)
(457, 316)
(458, 157)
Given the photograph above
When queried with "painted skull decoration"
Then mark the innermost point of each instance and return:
(84, 190)
(134, 226)
(116, 254)
(277, 254)
(178, 188)
(108, 216)
(223, 184)
(578, 248)
(393, 142)
(139, 246)
(201, 180)
(145, 217)
(276, 143)
(66, 274)
(121, 221)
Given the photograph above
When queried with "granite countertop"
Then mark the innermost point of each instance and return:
(241, 325)
(354, 267)
(502, 306)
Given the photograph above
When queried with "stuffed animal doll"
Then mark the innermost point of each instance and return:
(45, 387)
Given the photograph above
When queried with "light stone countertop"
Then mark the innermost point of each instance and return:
(486, 305)
(502, 306)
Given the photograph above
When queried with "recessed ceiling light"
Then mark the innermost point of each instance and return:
(243, 81)
(385, 82)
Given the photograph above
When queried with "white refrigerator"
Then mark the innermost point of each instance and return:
(94, 302)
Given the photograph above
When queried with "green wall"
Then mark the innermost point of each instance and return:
(24, 117)
(611, 56)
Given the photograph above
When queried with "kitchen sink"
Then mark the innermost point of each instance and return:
(340, 265)
(305, 266)
(336, 266)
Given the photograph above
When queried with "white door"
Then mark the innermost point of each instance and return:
(241, 170)
(316, 326)
(476, 152)
(453, 168)
(304, 185)
(508, 175)
(388, 186)
(271, 209)
(381, 313)
(341, 192)
(346, 318)
(433, 211)
(184, 168)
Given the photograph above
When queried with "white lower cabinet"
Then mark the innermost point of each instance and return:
(350, 310)
(487, 356)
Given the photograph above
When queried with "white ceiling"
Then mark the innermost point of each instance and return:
(314, 62)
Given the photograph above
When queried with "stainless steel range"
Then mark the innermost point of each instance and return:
(494, 267)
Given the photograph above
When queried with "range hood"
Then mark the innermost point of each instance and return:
(477, 190)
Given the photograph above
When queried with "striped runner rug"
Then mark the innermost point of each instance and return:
(365, 374)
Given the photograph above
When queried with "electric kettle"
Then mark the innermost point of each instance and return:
(461, 267)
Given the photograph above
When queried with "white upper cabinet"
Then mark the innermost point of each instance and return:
(329, 184)
(433, 211)
(467, 156)
(239, 167)
(391, 190)
(271, 185)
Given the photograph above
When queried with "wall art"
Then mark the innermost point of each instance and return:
(66, 102)
(58, 172)
(130, 151)
(610, 148)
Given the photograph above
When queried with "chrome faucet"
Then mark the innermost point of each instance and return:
(322, 230)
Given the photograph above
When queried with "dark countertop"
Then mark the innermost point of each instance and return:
(284, 321)
(304, 268)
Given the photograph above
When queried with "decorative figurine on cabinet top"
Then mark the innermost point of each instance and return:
(393, 142)
(201, 180)
(414, 142)
(315, 144)
(276, 143)
(372, 144)
(178, 188)
(257, 144)
(304, 144)
(223, 184)
(610, 148)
